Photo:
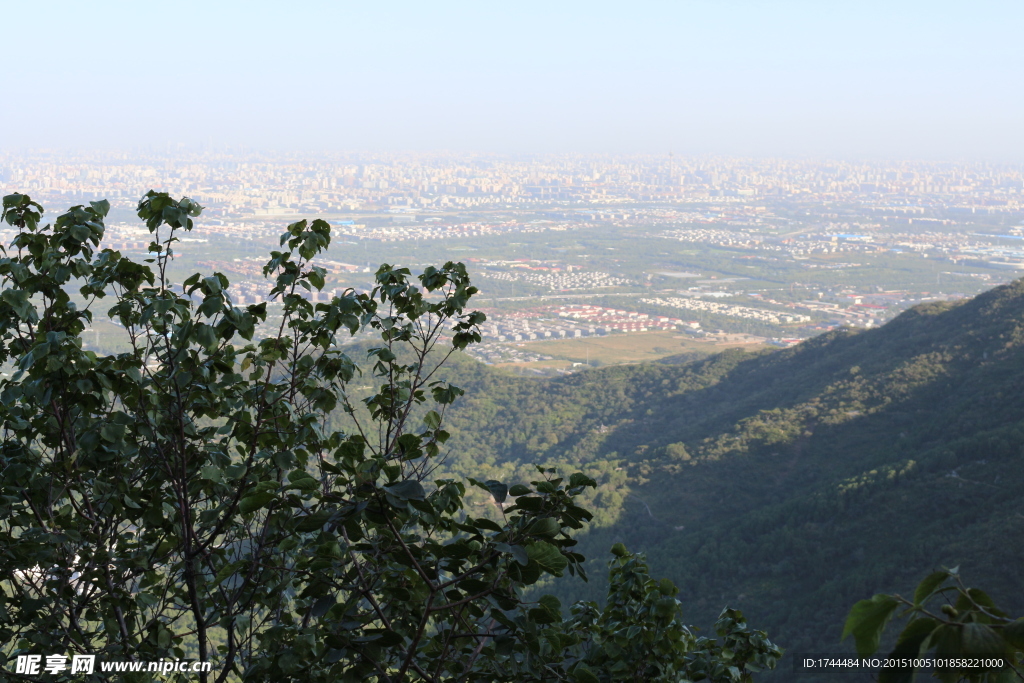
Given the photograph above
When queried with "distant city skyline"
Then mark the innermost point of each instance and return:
(773, 251)
(786, 78)
(265, 184)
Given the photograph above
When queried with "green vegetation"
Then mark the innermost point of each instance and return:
(968, 637)
(267, 505)
(193, 496)
(790, 483)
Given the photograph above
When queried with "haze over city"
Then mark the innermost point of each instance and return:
(715, 173)
(922, 80)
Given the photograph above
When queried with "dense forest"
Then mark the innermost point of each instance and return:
(791, 483)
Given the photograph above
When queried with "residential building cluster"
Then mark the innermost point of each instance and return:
(999, 249)
(718, 238)
(409, 230)
(491, 352)
(560, 281)
(617, 320)
(732, 310)
(573, 322)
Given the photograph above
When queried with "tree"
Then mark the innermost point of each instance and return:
(194, 497)
(967, 638)
(638, 636)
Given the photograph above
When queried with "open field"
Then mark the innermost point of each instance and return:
(544, 368)
(544, 364)
(629, 348)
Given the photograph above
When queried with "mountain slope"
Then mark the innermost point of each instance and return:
(791, 484)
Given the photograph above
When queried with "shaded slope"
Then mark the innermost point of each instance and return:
(791, 484)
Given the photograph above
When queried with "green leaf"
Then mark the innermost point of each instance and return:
(520, 555)
(316, 279)
(255, 502)
(211, 473)
(112, 432)
(981, 598)
(321, 606)
(224, 572)
(382, 637)
(302, 480)
(531, 503)
(583, 674)
(409, 489)
(267, 485)
(545, 526)
(213, 284)
(486, 524)
(305, 484)
(666, 608)
(206, 336)
(18, 299)
(458, 550)
(867, 620)
(498, 490)
(313, 521)
(981, 640)
(580, 479)
(163, 637)
(80, 232)
(528, 575)
(102, 207)
(548, 610)
(1014, 634)
(519, 490)
(299, 475)
(926, 588)
(547, 557)
(910, 644)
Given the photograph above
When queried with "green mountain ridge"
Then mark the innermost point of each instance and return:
(789, 484)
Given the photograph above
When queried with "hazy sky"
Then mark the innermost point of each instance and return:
(897, 78)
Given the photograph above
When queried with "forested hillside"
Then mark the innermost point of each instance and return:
(789, 484)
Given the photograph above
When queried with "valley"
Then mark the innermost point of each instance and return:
(787, 483)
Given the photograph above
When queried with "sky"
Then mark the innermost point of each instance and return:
(792, 78)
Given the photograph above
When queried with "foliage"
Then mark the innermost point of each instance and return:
(195, 496)
(983, 643)
(636, 636)
(816, 474)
